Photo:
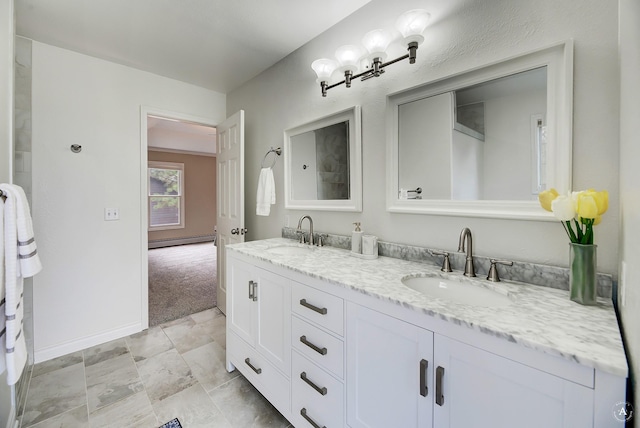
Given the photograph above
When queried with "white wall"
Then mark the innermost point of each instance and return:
(508, 143)
(305, 182)
(467, 34)
(90, 288)
(425, 138)
(167, 139)
(629, 292)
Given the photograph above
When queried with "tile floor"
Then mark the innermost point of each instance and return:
(173, 370)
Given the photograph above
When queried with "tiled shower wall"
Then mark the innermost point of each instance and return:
(22, 177)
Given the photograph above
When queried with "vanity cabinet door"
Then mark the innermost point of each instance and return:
(273, 313)
(259, 311)
(241, 314)
(389, 371)
(481, 389)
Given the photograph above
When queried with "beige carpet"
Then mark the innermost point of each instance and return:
(182, 281)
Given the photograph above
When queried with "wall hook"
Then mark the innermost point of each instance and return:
(76, 148)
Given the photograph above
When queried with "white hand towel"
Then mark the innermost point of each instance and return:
(266, 195)
(20, 260)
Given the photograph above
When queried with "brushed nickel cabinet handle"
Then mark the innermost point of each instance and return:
(303, 413)
(321, 351)
(321, 391)
(248, 362)
(439, 394)
(322, 311)
(251, 290)
(255, 291)
(424, 390)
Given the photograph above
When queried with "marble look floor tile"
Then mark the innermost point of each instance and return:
(148, 343)
(54, 393)
(165, 374)
(193, 408)
(245, 407)
(208, 365)
(74, 418)
(105, 351)
(220, 338)
(208, 315)
(57, 363)
(187, 334)
(133, 411)
(111, 380)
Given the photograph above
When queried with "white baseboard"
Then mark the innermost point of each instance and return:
(181, 241)
(55, 351)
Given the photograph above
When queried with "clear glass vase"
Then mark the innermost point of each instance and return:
(582, 273)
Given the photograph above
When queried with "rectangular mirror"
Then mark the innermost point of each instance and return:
(323, 163)
(485, 142)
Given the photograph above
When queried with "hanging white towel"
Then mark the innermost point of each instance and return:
(21, 260)
(266, 192)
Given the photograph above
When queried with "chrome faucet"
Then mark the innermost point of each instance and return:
(465, 238)
(310, 227)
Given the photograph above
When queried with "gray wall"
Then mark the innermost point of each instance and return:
(466, 34)
(629, 293)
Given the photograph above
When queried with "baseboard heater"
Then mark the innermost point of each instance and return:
(159, 243)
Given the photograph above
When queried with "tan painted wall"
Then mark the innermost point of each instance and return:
(199, 193)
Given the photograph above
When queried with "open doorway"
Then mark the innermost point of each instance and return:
(180, 201)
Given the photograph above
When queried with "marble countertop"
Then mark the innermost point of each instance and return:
(540, 318)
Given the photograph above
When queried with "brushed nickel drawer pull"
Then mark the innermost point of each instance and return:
(248, 362)
(321, 391)
(322, 311)
(303, 413)
(321, 351)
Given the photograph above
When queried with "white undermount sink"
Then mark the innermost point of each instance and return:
(456, 291)
(290, 250)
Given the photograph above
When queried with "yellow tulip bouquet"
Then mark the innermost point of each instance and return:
(578, 211)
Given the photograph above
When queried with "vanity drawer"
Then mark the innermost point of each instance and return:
(323, 309)
(324, 407)
(262, 374)
(317, 345)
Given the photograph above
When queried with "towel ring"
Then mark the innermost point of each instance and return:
(277, 151)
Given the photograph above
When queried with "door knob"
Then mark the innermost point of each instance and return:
(235, 231)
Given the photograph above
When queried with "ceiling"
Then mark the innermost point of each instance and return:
(215, 44)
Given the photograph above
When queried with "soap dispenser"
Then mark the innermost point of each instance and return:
(356, 239)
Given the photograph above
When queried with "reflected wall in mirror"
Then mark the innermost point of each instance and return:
(462, 144)
(323, 165)
(485, 142)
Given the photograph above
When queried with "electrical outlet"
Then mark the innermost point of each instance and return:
(111, 214)
(622, 283)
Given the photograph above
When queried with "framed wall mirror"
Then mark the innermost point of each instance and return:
(323, 163)
(485, 142)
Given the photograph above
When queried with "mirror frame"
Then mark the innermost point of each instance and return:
(354, 203)
(558, 59)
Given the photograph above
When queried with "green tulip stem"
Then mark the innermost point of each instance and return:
(578, 231)
(569, 230)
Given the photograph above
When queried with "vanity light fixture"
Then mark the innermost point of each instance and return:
(410, 24)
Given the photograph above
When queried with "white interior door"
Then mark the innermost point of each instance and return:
(230, 194)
